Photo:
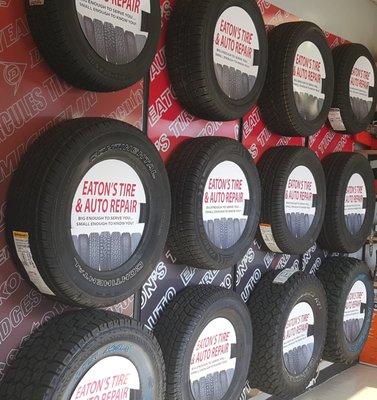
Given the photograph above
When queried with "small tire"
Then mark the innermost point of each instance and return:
(204, 321)
(284, 303)
(209, 231)
(350, 195)
(293, 199)
(355, 96)
(287, 106)
(70, 246)
(90, 50)
(350, 298)
(209, 84)
(67, 353)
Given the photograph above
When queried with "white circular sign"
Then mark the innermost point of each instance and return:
(299, 201)
(298, 343)
(308, 75)
(108, 202)
(234, 44)
(213, 354)
(111, 378)
(354, 311)
(114, 28)
(225, 195)
(361, 80)
(354, 203)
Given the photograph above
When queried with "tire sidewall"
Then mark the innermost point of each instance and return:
(129, 73)
(136, 268)
(129, 343)
(222, 308)
(227, 104)
(352, 349)
(316, 36)
(232, 153)
(307, 294)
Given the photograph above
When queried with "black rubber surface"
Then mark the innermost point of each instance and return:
(194, 75)
(91, 54)
(280, 110)
(270, 306)
(52, 362)
(356, 113)
(40, 201)
(345, 339)
(205, 244)
(178, 331)
(293, 233)
(341, 233)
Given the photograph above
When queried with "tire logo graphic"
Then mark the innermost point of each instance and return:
(13, 74)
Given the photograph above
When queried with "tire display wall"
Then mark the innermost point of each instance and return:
(217, 56)
(293, 199)
(355, 98)
(216, 200)
(289, 314)
(212, 335)
(101, 180)
(299, 89)
(350, 298)
(96, 45)
(350, 202)
(88, 354)
(34, 99)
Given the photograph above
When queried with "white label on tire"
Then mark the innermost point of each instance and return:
(111, 378)
(308, 75)
(336, 120)
(21, 243)
(354, 312)
(361, 81)
(212, 357)
(105, 215)
(299, 202)
(234, 44)
(298, 343)
(113, 28)
(268, 237)
(225, 195)
(284, 276)
(354, 203)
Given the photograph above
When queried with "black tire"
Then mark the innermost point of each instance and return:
(289, 225)
(340, 276)
(342, 230)
(351, 60)
(275, 370)
(197, 311)
(54, 362)
(285, 110)
(204, 86)
(219, 243)
(95, 266)
(89, 51)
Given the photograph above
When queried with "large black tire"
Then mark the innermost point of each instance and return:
(349, 216)
(202, 79)
(287, 107)
(278, 367)
(55, 361)
(89, 50)
(289, 224)
(205, 232)
(350, 298)
(355, 96)
(98, 265)
(197, 314)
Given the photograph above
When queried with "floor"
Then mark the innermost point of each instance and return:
(357, 383)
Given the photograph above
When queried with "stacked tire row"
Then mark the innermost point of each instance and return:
(89, 222)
